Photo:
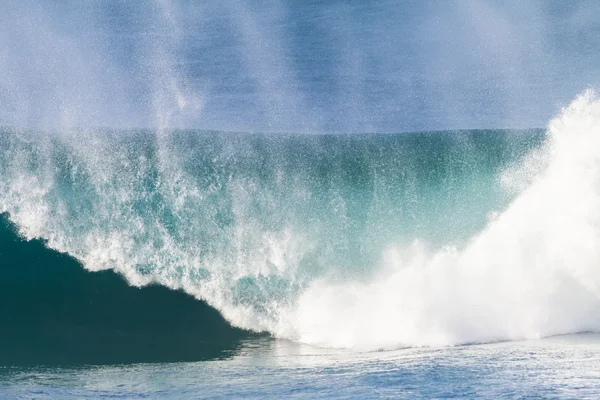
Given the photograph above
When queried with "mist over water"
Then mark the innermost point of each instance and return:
(285, 66)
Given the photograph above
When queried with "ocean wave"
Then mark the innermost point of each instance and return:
(358, 241)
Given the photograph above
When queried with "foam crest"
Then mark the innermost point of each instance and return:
(532, 272)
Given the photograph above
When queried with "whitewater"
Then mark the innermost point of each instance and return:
(362, 242)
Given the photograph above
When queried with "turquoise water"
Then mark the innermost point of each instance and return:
(248, 222)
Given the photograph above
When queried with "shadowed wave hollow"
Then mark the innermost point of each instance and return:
(52, 311)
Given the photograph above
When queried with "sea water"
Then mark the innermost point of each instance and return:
(559, 367)
(435, 264)
(211, 199)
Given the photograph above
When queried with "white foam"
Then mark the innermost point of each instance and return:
(534, 271)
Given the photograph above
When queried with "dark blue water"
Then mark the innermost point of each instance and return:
(53, 312)
(562, 367)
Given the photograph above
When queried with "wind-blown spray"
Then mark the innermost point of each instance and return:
(533, 271)
(368, 241)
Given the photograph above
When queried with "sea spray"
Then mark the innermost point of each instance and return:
(532, 272)
(289, 234)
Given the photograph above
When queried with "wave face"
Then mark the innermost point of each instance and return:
(361, 241)
(52, 311)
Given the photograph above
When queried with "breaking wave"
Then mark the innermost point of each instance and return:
(358, 241)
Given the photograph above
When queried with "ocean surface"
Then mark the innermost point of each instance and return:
(560, 367)
(194, 264)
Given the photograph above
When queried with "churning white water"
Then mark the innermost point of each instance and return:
(534, 271)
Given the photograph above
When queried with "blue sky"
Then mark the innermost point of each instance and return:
(290, 66)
